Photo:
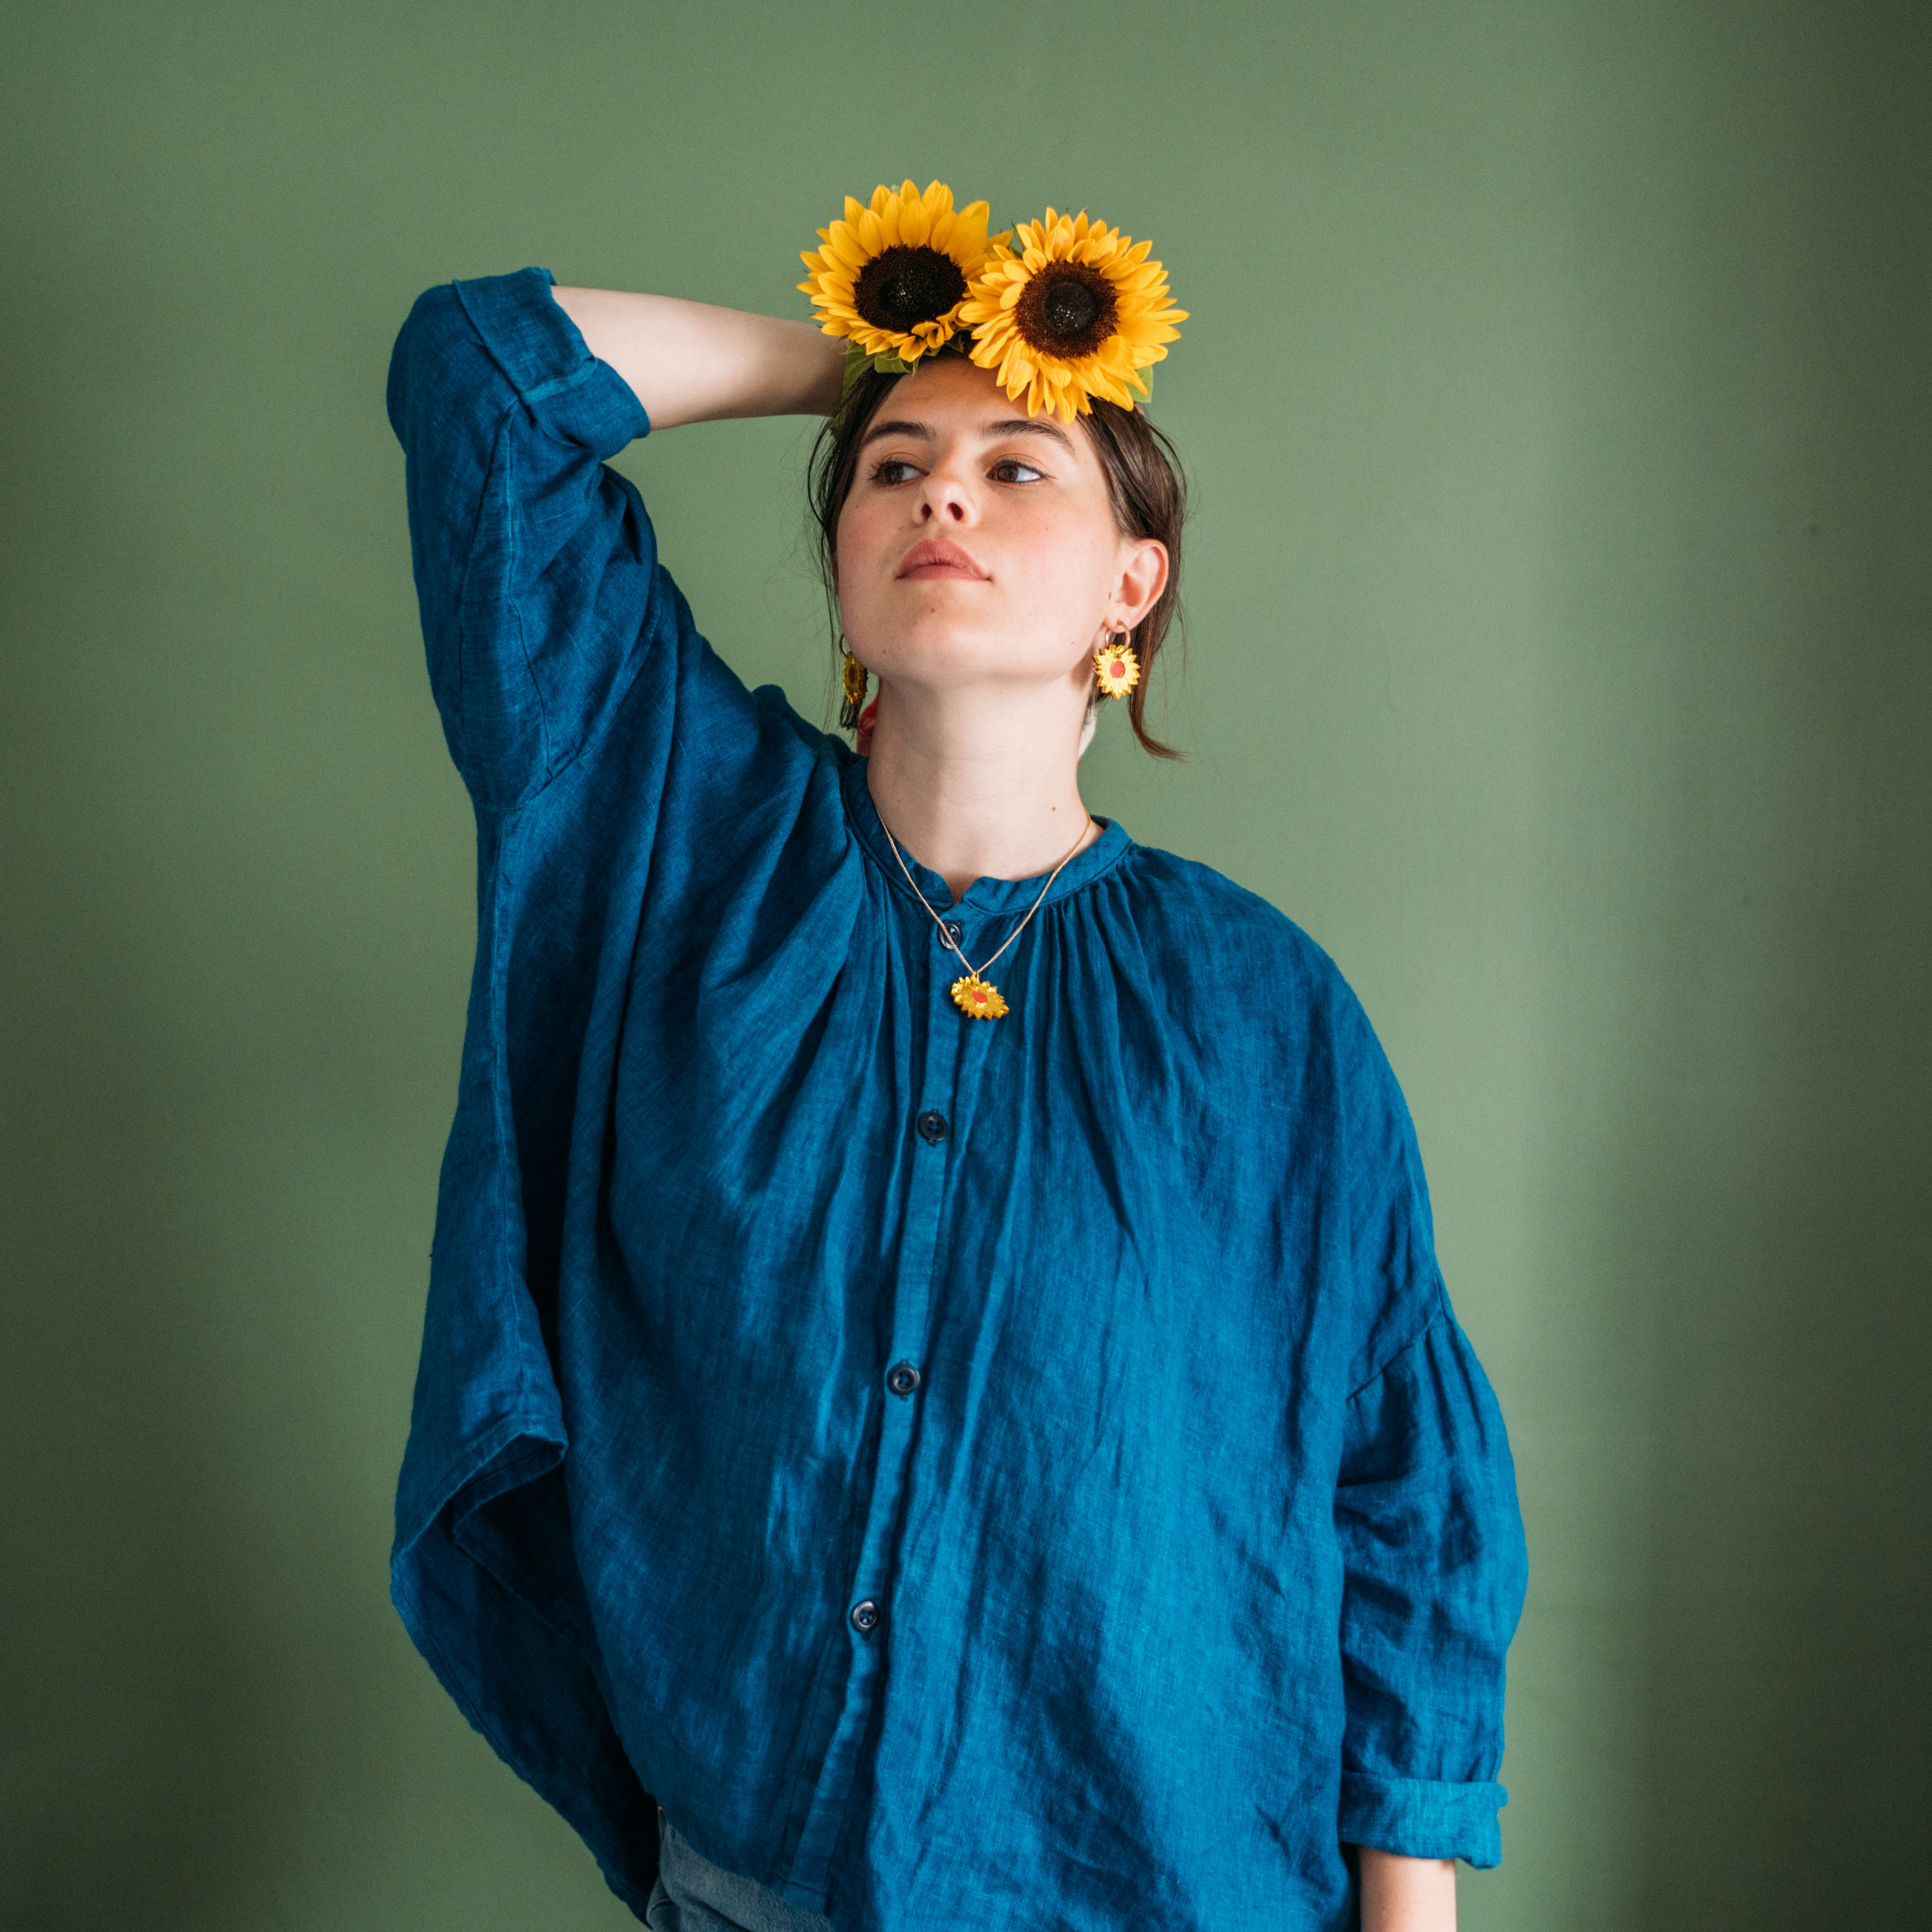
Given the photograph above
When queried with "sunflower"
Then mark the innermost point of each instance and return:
(978, 999)
(1079, 311)
(890, 277)
(1119, 669)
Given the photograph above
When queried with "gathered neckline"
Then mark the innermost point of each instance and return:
(987, 898)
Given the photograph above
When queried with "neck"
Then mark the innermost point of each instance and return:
(974, 785)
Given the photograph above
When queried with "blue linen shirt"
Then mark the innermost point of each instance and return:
(1002, 1474)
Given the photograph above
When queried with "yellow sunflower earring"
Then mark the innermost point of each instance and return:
(1116, 666)
(852, 677)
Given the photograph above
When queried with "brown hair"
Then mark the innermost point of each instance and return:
(1144, 485)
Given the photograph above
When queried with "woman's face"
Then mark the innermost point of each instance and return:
(978, 545)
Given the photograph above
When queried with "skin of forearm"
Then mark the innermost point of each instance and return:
(1401, 1894)
(688, 361)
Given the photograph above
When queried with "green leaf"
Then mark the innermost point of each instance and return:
(857, 362)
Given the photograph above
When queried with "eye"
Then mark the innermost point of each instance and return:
(1011, 470)
(892, 469)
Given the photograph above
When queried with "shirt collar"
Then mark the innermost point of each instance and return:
(986, 899)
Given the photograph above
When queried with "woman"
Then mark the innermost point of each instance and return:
(937, 1390)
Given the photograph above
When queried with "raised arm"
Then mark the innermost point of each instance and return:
(536, 568)
(687, 361)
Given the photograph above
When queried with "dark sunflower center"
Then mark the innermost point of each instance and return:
(904, 287)
(1067, 310)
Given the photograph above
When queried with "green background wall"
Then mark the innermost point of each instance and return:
(1557, 394)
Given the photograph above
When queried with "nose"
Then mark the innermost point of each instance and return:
(945, 499)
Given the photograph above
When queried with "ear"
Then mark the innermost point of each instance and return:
(1143, 578)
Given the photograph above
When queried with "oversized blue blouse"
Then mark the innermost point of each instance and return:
(1006, 1473)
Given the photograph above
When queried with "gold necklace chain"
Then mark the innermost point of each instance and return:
(972, 995)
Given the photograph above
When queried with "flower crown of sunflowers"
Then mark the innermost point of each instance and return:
(1062, 310)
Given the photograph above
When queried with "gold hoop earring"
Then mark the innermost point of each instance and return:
(1116, 668)
(853, 677)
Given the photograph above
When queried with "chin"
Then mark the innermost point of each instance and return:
(953, 659)
(930, 649)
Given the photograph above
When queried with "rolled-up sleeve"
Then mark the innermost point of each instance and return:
(1435, 1569)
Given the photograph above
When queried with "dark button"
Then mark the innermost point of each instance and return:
(865, 1617)
(955, 932)
(902, 1378)
(931, 1127)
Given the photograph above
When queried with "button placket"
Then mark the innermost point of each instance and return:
(932, 1128)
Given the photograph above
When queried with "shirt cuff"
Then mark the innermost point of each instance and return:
(1418, 1819)
(532, 340)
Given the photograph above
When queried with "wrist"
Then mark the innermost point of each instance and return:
(1405, 1894)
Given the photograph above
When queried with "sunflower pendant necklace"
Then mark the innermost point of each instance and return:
(975, 995)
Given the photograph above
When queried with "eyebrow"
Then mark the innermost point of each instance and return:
(1013, 426)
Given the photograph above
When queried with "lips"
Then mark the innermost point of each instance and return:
(934, 557)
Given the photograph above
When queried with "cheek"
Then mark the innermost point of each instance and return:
(863, 532)
(1059, 572)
